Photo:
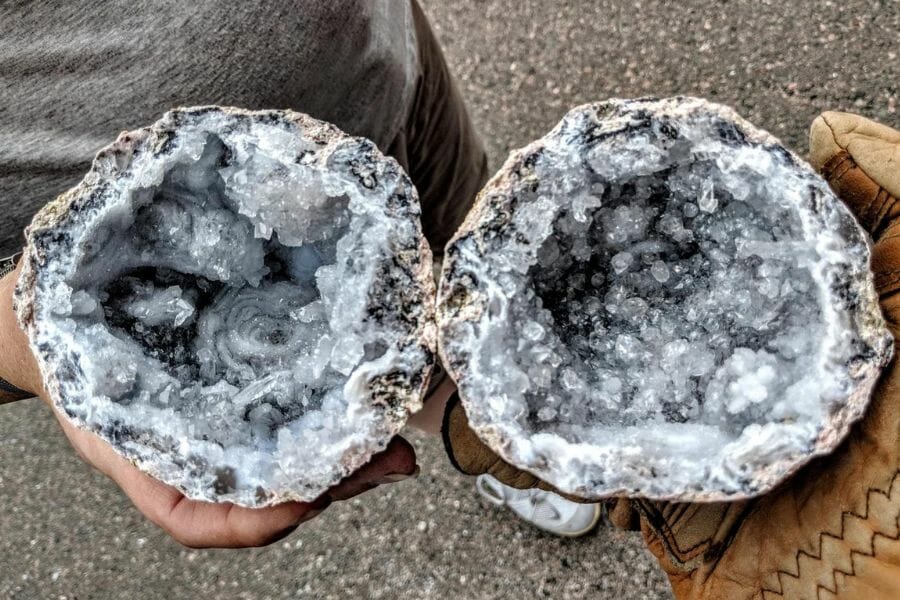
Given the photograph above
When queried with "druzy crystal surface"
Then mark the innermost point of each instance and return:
(658, 299)
(239, 302)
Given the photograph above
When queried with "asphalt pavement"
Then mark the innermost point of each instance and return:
(68, 533)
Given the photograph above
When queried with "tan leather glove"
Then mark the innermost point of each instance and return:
(831, 531)
(473, 457)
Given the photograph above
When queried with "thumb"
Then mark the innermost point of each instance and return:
(860, 159)
(872, 148)
(395, 463)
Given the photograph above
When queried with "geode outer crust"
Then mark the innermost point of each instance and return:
(474, 299)
(400, 297)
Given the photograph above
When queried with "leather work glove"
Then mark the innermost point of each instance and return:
(833, 529)
(473, 457)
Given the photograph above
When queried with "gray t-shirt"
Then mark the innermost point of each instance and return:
(74, 73)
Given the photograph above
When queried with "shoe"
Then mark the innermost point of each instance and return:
(544, 510)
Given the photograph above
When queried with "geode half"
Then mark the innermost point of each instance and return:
(657, 299)
(241, 303)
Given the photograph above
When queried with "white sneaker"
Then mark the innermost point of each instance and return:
(544, 510)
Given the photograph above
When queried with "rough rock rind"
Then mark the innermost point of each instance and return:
(375, 242)
(492, 266)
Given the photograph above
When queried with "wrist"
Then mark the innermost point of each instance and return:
(18, 370)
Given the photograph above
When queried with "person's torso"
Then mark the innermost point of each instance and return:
(73, 74)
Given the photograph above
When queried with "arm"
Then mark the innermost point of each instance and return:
(19, 375)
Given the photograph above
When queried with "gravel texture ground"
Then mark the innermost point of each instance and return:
(66, 532)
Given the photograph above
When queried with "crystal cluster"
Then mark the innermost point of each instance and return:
(239, 302)
(658, 299)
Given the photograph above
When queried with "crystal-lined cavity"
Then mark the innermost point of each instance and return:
(239, 302)
(658, 299)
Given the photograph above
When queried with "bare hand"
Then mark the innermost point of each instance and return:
(190, 522)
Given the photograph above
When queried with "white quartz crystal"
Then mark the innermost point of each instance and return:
(241, 303)
(708, 321)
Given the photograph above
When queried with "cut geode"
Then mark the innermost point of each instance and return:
(241, 303)
(657, 299)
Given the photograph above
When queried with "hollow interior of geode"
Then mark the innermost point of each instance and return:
(220, 312)
(676, 287)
